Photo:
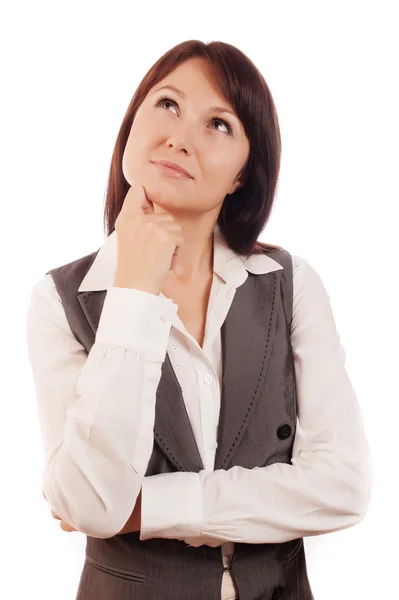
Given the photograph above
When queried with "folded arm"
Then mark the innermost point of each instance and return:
(328, 485)
(97, 410)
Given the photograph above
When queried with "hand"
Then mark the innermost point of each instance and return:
(65, 526)
(147, 242)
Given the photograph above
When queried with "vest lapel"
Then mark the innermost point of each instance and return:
(172, 428)
(247, 341)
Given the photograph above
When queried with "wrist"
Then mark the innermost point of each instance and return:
(126, 282)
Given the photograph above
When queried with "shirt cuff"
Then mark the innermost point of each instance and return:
(136, 320)
(171, 506)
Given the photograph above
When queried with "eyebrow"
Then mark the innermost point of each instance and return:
(218, 109)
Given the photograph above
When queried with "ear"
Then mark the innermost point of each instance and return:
(238, 182)
(240, 178)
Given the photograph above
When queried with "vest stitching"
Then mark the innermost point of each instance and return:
(87, 306)
(163, 444)
(263, 362)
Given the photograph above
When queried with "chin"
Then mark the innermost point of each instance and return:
(167, 199)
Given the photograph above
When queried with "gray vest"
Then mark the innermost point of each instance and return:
(256, 428)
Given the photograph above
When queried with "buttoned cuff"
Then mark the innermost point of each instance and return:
(171, 506)
(136, 320)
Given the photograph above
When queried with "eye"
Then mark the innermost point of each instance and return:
(164, 100)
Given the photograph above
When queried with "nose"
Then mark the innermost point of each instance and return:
(180, 139)
(178, 145)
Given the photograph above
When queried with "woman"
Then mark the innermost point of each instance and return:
(196, 414)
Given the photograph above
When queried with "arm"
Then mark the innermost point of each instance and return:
(134, 521)
(326, 488)
(97, 410)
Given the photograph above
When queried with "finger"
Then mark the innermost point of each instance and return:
(44, 494)
(53, 514)
(136, 202)
(66, 527)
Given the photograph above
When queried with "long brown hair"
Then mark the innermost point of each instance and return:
(244, 214)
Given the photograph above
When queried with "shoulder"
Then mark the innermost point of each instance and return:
(45, 307)
(306, 277)
(74, 271)
(44, 295)
(311, 300)
(45, 315)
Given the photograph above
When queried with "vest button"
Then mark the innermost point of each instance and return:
(283, 433)
(277, 592)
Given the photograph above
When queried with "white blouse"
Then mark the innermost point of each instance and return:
(97, 413)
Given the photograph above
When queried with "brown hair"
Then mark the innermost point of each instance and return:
(244, 214)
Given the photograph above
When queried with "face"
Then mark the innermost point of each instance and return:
(184, 129)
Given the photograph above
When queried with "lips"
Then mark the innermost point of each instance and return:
(174, 166)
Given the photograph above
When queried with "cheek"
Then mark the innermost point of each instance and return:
(134, 154)
(219, 174)
(128, 162)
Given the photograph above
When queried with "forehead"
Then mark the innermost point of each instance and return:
(193, 77)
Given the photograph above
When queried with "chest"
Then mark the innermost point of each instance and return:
(192, 301)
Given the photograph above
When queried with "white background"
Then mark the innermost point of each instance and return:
(69, 71)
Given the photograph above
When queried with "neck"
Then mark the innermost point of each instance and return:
(187, 267)
(194, 259)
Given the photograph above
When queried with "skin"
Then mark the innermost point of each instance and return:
(189, 133)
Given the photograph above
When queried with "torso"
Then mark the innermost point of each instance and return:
(192, 300)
